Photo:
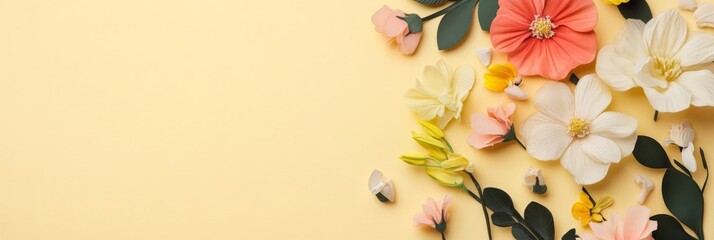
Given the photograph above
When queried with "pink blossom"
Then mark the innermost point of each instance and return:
(636, 225)
(434, 214)
(386, 21)
(492, 128)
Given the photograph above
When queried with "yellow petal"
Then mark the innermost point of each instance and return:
(425, 139)
(418, 159)
(581, 212)
(445, 177)
(605, 202)
(596, 218)
(585, 199)
(494, 83)
(455, 162)
(505, 71)
(434, 152)
(431, 129)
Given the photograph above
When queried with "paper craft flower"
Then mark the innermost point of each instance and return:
(705, 15)
(547, 38)
(661, 58)
(386, 21)
(635, 225)
(576, 129)
(383, 189)
(616, 2)
(434, 214)
(496, 127)
(533, 179)
(440, 93)
(682, 135)
(504, 78)
(586, 210)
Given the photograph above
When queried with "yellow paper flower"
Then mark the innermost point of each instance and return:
(586, 211)
(616, 2)
(504, 78)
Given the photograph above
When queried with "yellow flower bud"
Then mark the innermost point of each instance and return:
(431, 129)
(418, 159)
(445, 177)
(426, 140)
(455, 162)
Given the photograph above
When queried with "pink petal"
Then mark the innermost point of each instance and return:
(423, 219)
(635, 221)
(510, 27)
(647, 233)
(445, 203)
(394, 26)
(432, 210)
(380, 17)
(603, 230)
(483, 124)
(554, 58)
(480, 141)
(579, 15)
(409, 43)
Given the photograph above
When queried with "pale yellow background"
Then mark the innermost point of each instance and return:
(224, 119)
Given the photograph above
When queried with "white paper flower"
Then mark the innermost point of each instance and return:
(682, 135)
(383, 189)
(440, 93)
(533, 179)
(576, 129)
(687, 5)
(705, 15)
(664, 60)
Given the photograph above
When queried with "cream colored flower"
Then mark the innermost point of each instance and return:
(440, 93)
(576, 129)
(662, 58)
(682, 135)
(705, 15)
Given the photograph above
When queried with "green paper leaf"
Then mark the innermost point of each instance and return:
(521, 233)
(414, 23)
(574, 79)
(684, 199)
(455, 24)
(486, 13)
(669, 228)
(431, 2)
(498, 201)
(636, 9)
(502, 219)
(650, 153)
(540, 220)
(570, 235)
(681, 166)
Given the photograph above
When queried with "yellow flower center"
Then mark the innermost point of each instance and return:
(668, 68)
(578, 127)
(542, 27)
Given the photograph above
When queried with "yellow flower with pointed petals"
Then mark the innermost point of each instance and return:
(500, 76)
(586, 210)
(445, 177)
(616, 2)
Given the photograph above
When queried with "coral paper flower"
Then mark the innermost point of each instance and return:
(576, 129)
(386, 21)
(440, 93)
(636, 225)
(434, 214)
(504, 78)
(492, 128)
(586, 210)
(662, 58)
(682, 135)
(546, 37)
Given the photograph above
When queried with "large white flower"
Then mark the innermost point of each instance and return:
(440, 94)
(576, 129)
(663, 58)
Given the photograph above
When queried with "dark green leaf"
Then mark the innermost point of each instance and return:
(684, 199)
(574, 79)
(510, 135)
(669, 228)
(636, 9)
(540, 220)
(521, 233)
(681, 166)
(570, 235)
(502, 219)
(704, 164)
(650, 153)
(414, 22)
(486, 13)
(498, 201)
(455, 24)
(431, 2)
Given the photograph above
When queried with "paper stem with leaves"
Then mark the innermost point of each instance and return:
(681, 193)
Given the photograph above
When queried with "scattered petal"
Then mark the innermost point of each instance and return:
(705, 15)
(484, 55)
(646, 184)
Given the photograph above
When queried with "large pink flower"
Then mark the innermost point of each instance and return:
(434, 214)
(386, 21)
(546, 37)
(636, 225)
(492, 128)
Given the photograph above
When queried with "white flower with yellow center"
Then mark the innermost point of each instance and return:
(663, 58)
(575, 129)
(440, 93)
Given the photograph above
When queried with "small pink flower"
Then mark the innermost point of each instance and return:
(546, 37)
(492, 128)
(386, 21)
(636, 225)
(434, 214)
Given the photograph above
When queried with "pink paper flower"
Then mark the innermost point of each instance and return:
(386, 21)
(492, 128)
(636, 225)
(434, 214)
(546, 37)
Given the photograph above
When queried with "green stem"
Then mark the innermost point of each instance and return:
(448, 145)
(656, 115)
(443, 237)
(520, 143)
(445, 10)
(483, 206)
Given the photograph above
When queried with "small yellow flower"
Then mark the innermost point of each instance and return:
(418, 159)
(445, 177)
(431, 129)
(499, 77)
(586, 210)
(616, 2)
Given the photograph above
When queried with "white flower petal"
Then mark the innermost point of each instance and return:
(613, 124)
(614, 69)
(688, 158)
(548, 141)
(388, 190)
(434, 83)
(601, 149)
(444, 120)
(445, 70)
(516, 93)
(673, 99)
(701, 86)
(463, 81)
(630, 41)
(687, 5)
(425, 107)
(626, 144)
(585, 171)
(532, 121)
(484, 55)
(556, 101)
(705, 15)
(375, 181)
(591, 98)
(644, 75)
(698, 49)
(665, 33)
